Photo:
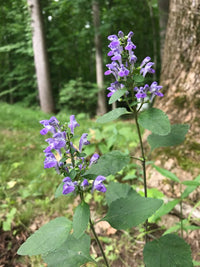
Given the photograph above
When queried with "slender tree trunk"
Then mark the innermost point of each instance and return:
(101, 105)
(40, 58)
(163, 18)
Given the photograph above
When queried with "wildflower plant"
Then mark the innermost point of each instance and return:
(65, 243)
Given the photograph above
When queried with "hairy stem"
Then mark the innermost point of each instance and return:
(98, 242)
(143, 160)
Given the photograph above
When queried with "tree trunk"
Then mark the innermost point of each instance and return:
(40, 58)
(180, 67)
(101, 105)
(163, 18)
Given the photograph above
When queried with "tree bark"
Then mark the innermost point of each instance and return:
(163, 18)
(101, 105)
(180, 67)
(40, 58)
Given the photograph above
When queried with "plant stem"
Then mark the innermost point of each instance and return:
(181, 210)
(143, 167)
(98, 242)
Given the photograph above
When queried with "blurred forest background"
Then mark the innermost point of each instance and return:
(52, 58)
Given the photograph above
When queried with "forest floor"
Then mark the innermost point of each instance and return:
(25, 188)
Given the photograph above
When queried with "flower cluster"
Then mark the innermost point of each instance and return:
(123, 68)
(68, 160)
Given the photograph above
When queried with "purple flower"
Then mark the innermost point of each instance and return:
(141, 91)
(121, 34)
(84, 184)
(154, 89)
(94, 159)
(98, 185)
(147, 59)
(123, 71)
(50, 160)
(83, 141)
(68, 185)
(49, 125)
(73, 123)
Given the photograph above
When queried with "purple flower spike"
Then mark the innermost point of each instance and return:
(98, 185)
(73, 123)
(83, 141)
(68, 186)
(49, 126)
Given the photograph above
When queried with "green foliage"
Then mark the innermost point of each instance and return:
(81, 219)
(112, 115)
(78, 96)
(73, 252)
(129, 209)
(155, 120)
(109, 163)
(167, 174)
(48, 238)
(117, 95)
(175, 137)
(169, 250)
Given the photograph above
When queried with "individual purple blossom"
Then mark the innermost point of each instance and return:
(73, 123)
(57, 142)
(98, 184)
(123, 71)
(121, 34)
(49, 125)
(112, 68)
(141, 91)
(84, 184)
(94, 159)
(50, 160)
(144, 62)
(154, 89)
(68, 185)
(83, 141)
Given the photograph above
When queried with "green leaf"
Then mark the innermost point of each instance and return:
(59, 190)
(117, 95)
(138, 78)
(73, 252)
(167, 174)
(190, 188)
(155, 120)
(81, 219)
(112, 115)
(167, 251)
(116, 191)
(49, 237)
(175, 137)
(164, 209)
(109, 163)
(130, 211)
(191, 183)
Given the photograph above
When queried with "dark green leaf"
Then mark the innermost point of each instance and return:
(168, 251)
(117, 95)
(74, 252)
(109, 163)
(49, 237)
(81, 219)
(138, 78)
(112, 115)
(130, 211)
(155, 120)
(175, 137)
(117, 190)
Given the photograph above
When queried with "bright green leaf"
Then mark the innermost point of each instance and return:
(117, 95)
(112, 115)
(81, 219)
(168, 251)
(167, 174)
(155, 120)
(189, 189)
(49, 237)
(191, 183)
(59, 190)
(175, 137)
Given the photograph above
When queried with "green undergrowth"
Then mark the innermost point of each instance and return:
(27, 189)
